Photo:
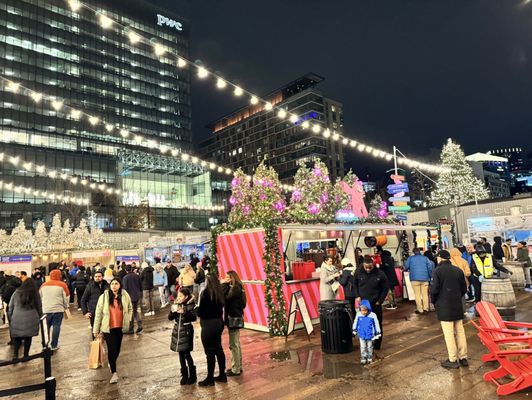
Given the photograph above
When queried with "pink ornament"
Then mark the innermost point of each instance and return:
(232, 200)
(324, 198)
(235, 182)
(279, 206)
(296, 196)
(313, 209)
(326, 179)
(246, 210)
(383, 211)
(262, 196)
(317, 172)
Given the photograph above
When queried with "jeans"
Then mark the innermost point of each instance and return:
(477, 286)
(236, 350)
(211, 338)
(162, 295)
(114, 342)
(79, 294)
(148, 299)
(54, 321)
(135, 317)
(366, 350)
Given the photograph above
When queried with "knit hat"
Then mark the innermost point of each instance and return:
(444, 254)
(55, 275)
(345, 261)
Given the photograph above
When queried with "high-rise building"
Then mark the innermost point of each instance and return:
(246, 136)
(105, 72)
(520, 169)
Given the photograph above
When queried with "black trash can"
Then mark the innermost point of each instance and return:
(336, 326)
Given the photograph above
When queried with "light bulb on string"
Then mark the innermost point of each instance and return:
(268, 106)
(345, 141)
(105, 21)
(305, 125)
(361, 147)
(93, 120)
(57, 105)
(281, 113)
(134, 37)
(335, 136)
(109, 127)
(37, 97)
(220, 83)
(124, 133)
(293, 118)
(253, 100)
(75, 114)
(238, 91)
(202, 72)
(13, 86)
(316, 128)
(75, 5)
(159, 49)
(181, 63)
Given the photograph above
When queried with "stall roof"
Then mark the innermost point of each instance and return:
(356, 228)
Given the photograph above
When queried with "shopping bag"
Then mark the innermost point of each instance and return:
(102, 353)
(94, 354)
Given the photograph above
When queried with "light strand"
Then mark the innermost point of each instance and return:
(43, 194)
(221, 83)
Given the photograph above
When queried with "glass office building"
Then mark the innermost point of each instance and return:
(47, 47)
(244, 137)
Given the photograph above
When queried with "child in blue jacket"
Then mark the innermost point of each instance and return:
(366, 326)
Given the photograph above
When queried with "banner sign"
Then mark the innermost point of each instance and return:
(398, 200)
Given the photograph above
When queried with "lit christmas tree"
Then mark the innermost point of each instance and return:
(313, 199)
(97, 239)
(80, 238)
(267, 202)
(21, 239)
(457, 185)
(40, 239)
(66, 240)
(240, 199)
(55, 237)
(4, 241)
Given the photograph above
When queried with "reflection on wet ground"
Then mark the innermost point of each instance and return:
(407, 368)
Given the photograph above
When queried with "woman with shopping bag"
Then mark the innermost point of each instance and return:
(112, 320)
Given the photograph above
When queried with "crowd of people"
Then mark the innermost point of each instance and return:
(111, 297)
(442, 281)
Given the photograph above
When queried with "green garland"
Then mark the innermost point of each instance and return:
(275, 301)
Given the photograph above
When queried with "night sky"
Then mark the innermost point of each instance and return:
(409, 73)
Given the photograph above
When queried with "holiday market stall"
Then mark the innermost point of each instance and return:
(243, 251)
(275, 245)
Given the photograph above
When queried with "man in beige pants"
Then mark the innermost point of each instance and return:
(448, 288)
(420, 268)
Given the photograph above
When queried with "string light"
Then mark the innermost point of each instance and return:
(36, 97)
(202, 72)
(105, 21)
(13, 86)
(48, 195)
(134, 37)
(74, 5)
(159, 49)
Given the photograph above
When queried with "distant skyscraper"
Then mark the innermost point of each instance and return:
(54, 50)
(244, 137)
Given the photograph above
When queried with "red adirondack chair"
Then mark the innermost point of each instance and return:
(520, 371)
(498, 329)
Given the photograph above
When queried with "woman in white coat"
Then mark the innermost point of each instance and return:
(329, 276)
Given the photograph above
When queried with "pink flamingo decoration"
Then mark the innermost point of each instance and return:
(356, 193)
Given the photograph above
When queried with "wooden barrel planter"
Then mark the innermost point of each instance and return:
(518, 274)
(500, 292)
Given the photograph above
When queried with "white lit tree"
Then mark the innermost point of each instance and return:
(66, 234)
(4, 241)
(40, 238)
(80, 238)
(20, 239)
(96, 239)
(56, 232)
(457, 184)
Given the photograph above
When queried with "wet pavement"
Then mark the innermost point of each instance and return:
(408, 366)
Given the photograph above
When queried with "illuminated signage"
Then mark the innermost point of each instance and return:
(165, 21)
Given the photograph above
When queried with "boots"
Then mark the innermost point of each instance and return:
(192, 375)
(184, 376)
(211, 362)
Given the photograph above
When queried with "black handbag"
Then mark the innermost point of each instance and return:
(235, 322)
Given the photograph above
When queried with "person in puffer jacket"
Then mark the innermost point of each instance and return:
(366, 326)
(183, 334)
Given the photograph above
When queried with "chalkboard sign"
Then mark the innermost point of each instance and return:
(297, 303)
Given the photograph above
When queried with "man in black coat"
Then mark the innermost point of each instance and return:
(448, 288)
(90, 297)
(371, 284)
(80, 284)
(132, 284)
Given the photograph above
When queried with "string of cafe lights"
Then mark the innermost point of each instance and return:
(159, 50)
(43, 194)
(59, 104)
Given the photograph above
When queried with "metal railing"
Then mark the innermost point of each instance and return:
(46, 354)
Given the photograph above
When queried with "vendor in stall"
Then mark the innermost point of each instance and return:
(329, 277)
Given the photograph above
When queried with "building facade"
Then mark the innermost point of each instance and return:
(519, 168)
(246, 136)
(47, 47)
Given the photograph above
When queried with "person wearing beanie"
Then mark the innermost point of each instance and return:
(347, 280)
(54, 298)
(448, 289)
